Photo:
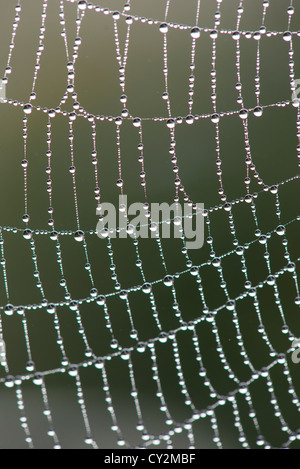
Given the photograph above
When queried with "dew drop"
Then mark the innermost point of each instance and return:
(27, 108)
(216, 262)
(125, 354)
(99, 363)
(261, 329)
(168, 281)
(30, 366)
(260, 441)
(118, 120)
(236, 35)
(194, 270)
(189, 119)
(262, 239)
(9, 381)
(163, 28)
(274, 189)
(123, 294)
(147, 288)
(291, 267)
(100, 300)
(213, 34)
(133, 334)
(130, 229)
(73, 305)
(243, 388)
(79, 236)
(9, 309)
(195, 32)
(163, 337)
(239, 250)
(54, 235)
(257, 233)
(171, 123)
(122, 208)
(73, 370)
(38, 379)
(280, 230)
(116, 15)
(271, 280)
(210, 317)
(82, 5)
(103, 233)
(114, 344)
(93, 292)
(230, 305)
(70, 66)
(258, 111)
(287, 36)
(243, 113)
(89, 440)
(51, 308)
(141, 347)
(215, 118)
(27, 234)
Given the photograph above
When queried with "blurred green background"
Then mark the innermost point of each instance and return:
(273, 146)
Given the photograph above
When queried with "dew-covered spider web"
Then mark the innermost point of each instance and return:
(142, 343)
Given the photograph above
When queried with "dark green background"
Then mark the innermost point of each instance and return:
(273, 144)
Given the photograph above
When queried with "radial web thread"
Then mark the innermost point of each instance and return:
(189, 349)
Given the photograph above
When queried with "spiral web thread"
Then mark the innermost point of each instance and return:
(241, 394)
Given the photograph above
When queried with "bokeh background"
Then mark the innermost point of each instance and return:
(273, 144)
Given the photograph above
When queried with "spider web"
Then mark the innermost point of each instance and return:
(137, 343)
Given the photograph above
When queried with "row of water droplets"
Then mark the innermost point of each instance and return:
(147, 287)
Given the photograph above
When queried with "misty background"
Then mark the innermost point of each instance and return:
(274, 151)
